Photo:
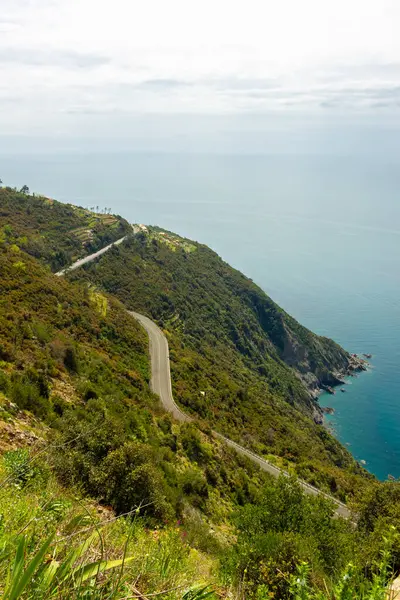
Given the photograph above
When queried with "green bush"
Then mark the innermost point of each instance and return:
(71, 360)
(21, 469)
(194, 485)
(127, 479)
(4, 383)
(191, 443)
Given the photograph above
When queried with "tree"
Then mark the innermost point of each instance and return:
(71, 360)
(1, 181)
(24, 189)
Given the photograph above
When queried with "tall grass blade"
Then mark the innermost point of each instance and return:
(199, 593)
(88, 571)
(20, 577)
(66, 568)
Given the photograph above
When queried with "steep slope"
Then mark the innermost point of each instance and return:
(74, 372)
(64, 342)
(74, 367)
(197, 289)
(55, 233)
(229, 343)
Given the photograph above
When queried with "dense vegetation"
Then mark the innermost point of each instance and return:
(237, 358)
(57, 543)
(55, 233)
(70, 356)
(203, 522)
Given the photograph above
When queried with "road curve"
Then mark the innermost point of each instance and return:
(160, 384)
(160, 381)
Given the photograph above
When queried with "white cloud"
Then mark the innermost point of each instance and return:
(59, 59)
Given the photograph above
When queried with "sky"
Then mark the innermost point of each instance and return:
(86, 66)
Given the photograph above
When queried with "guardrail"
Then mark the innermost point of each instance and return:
(278, 470)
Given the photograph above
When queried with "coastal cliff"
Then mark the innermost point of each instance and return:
(238, 361)
(74, 376)
(188, 287)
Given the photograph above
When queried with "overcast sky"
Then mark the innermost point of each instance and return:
(67, 64)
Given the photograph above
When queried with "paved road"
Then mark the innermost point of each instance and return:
(161, 385)
(160, 382)
(89, 258)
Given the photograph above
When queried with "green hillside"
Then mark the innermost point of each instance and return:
(53, 232)
(71, 357)
(238, 360)
(83, 441)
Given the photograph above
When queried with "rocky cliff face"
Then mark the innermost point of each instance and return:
(333, 363)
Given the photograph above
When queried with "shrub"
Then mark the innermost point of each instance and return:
(127, 479)
(21, 469)
(4, 383)
(194, 485)
(191, 443)
(71, 360)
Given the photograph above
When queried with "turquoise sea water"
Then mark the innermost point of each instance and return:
(320, 234)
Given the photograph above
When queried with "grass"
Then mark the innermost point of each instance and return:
(351, 585)
(56, 544)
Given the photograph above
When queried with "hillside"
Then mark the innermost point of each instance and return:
(206, 298)
(238, 361)
(84, 440)
(71, 358)
(53, 232)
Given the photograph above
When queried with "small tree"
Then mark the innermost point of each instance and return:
(24, 189)
(71, 360)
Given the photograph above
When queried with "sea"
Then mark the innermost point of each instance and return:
(320, 233)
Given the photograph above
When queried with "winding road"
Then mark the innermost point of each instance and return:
(160, 384)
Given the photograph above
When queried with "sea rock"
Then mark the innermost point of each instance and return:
(328, 410)
(357, 364)
(328, 389)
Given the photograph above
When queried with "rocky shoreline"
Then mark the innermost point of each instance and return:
(328, 410)
(356, 364)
